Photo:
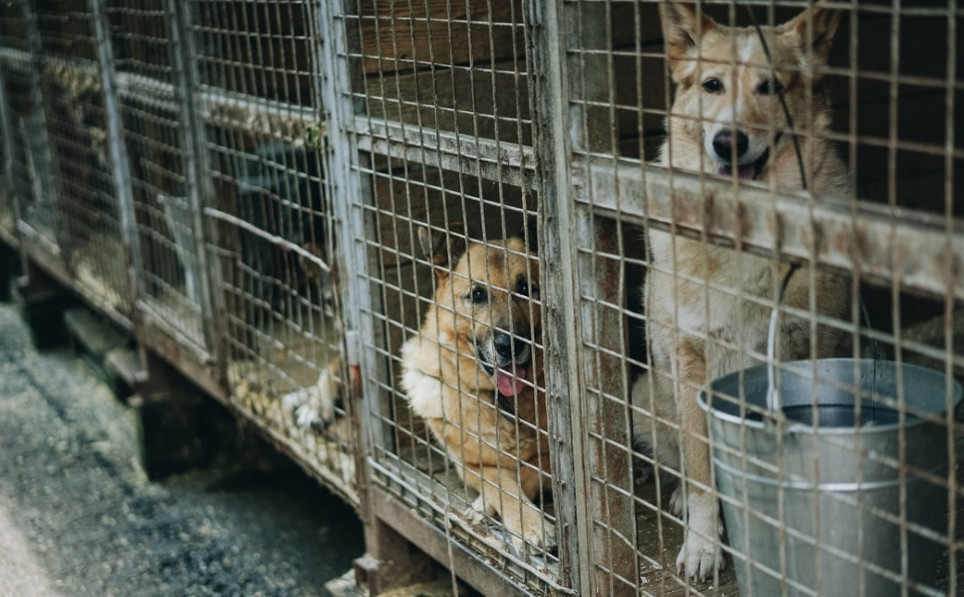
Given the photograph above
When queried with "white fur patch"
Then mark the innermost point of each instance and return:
(701, 555)
(746, 48)
(424, 392)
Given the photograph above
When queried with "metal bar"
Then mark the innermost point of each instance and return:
(348, 198)
(500, 161)
(274, 239)
(915, 248)
(120, 165)
(6, 132)
(196, 160)
(45, 170)
(213, 103)
(560, 313)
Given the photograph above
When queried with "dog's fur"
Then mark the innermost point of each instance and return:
(704, 318)
(474, 373)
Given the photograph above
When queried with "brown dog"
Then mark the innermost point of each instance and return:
(474, 374)
(708, 307)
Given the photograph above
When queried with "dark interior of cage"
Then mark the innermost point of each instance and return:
(272, 249)
(457, 67)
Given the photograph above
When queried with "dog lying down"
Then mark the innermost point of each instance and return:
(474, 373)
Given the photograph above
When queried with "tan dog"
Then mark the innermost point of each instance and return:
(474, 373)
(705, 316)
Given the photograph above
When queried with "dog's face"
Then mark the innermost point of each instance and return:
(485, 307)
(728, 90)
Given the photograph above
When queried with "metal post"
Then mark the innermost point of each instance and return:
(196, 163)
(45, 182)
(561, 325)
(6, 133)
(395, 562)
(120, 166)
(596, 548)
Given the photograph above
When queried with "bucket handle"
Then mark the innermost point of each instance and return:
(774, 400)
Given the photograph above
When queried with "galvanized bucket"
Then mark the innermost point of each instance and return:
(817, 504)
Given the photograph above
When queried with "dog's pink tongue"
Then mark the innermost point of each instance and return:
(510, 382)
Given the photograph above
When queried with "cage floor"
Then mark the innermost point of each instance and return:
(104, 278)
(279, 366)
(658, 542)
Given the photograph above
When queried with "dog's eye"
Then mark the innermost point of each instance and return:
(525, 289)
(478, 295)
(766, 88)
(712, 85)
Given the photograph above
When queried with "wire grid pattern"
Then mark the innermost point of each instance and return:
(274, 237)
(879, 83)
(444, 130)
(441, 66)
(27, 122)
(169, 276)
(257, 49)
(88, 230)
(443, 106)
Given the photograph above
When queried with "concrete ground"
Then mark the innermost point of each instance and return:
(79, 517)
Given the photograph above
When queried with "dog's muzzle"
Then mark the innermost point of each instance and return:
(724, 143)
(509, 362)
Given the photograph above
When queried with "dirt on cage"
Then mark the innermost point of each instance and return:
(79, 517)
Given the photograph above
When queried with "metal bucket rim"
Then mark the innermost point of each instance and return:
(957, 392)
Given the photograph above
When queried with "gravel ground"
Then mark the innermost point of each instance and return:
(79, 517)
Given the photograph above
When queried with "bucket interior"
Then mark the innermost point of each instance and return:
(835, 393)
(843, 415)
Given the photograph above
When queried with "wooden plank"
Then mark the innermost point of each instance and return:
(397, 35)
(916, 249)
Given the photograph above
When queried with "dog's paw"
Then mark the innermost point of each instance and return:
(314, 405)
(537, 532)
(701, 555)
(477, 512)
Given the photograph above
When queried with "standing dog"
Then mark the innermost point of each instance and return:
(474, 373)
(705, 316)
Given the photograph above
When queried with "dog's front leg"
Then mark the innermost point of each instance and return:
(700, 555)
(509, 491)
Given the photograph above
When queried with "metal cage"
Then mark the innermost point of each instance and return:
(282, 200)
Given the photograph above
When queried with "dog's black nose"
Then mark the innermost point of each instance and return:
(508, 346)
(723, 145)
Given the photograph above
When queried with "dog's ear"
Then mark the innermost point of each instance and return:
(532, 238)
(444, 248)
(813, 31)
(683, 25)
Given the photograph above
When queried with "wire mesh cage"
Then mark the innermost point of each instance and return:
(683, 112)
(322, 198)
(169, 276)
(275, 241)
(80, 195)
(442, 118)
(26, 123)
